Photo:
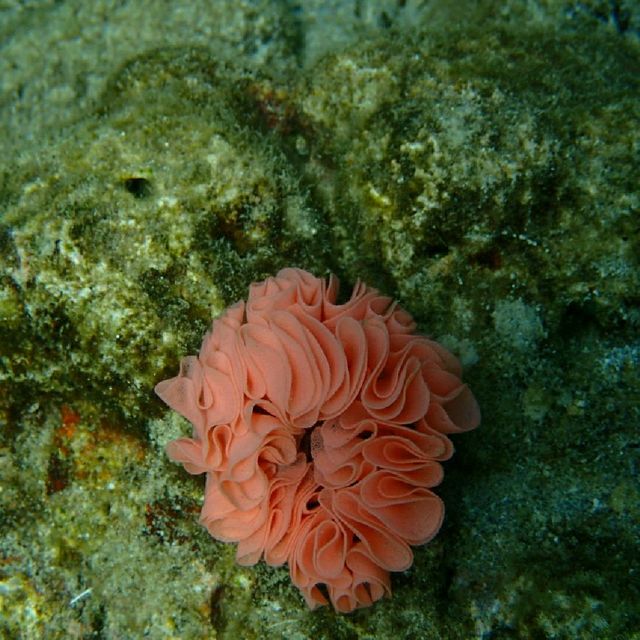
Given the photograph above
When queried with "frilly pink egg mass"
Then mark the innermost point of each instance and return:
(320, 428)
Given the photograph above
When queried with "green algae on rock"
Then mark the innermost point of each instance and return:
(459, 160)
(137, 226)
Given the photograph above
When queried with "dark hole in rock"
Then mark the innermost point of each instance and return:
(138, 187)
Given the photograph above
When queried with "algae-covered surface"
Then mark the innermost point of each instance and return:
(478, 161)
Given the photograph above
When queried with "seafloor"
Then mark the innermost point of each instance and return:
(476, 160)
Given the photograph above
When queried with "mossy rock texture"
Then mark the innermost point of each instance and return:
(477, 164)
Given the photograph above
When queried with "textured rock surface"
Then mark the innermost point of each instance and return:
(156, 161)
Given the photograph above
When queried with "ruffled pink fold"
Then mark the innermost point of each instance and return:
(320, 428)
(275, 520)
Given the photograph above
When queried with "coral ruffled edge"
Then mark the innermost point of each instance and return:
(320, 428)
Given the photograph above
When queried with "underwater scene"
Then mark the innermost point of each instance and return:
(320, 320)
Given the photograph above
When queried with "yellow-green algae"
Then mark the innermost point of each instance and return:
(482, 174)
